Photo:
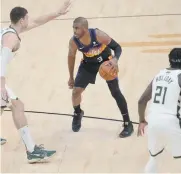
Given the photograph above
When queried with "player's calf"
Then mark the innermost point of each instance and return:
(122, 105)
(78, 112)
(76, 96)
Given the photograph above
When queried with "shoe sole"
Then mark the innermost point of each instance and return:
(77, 130)
(3, 142)
(40, 160)
(80, 125)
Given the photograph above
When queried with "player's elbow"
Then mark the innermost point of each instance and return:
(140, 102)
(143, 100)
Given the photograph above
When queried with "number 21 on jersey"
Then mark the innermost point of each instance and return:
(160, 94)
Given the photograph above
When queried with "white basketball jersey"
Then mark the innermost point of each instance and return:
(4, 31)
(165, 93)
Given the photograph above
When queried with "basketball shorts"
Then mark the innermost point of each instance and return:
(164, 131)
(86, 74)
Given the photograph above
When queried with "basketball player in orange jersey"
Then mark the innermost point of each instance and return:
(96, 48)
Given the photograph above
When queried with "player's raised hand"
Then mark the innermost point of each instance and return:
(65, 7)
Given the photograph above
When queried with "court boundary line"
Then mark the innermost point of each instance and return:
(70, 115)
(114, 17)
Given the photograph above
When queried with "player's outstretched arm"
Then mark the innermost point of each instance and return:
(71, 61)
(48, 17)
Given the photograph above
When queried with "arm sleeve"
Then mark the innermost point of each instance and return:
(6, 56)
(116, 48)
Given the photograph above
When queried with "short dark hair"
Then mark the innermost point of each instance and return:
(17, 13)
(83, 21)
(175, 58)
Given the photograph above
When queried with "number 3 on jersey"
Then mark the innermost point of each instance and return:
(100, 59)
(160, 95)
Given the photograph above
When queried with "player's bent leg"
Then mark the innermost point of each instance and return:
(34, 153)
(122, 105)
(155, 145)
(156, 139)
(3, 140)
(82, 80)
(175, 139)
(76, 95)
(17, 108)
(151, 166)
(78, 112)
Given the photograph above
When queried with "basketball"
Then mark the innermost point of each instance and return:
(104, 70)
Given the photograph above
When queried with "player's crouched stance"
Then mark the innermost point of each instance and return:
(96, 47)
(164, 120)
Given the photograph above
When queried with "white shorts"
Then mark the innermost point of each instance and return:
(11, 96)
(163, 131)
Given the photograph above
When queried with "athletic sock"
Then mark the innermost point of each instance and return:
(77, 109)
(27, 139)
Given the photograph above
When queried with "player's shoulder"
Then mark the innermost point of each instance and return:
(10, 36)
(72, 42)
(163, 70)
(98, 31)
(7, 30)
(101, 35)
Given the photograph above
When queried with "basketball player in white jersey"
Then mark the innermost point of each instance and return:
(10, 42)
(164, 120)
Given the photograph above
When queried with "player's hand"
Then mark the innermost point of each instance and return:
(71, 83)
(4, 96)
(114, 69)
(65, 8)
(141, 128)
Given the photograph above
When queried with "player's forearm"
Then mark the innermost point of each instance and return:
(141, 111)
(71, 64)
(46, 18)
(116, 48)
